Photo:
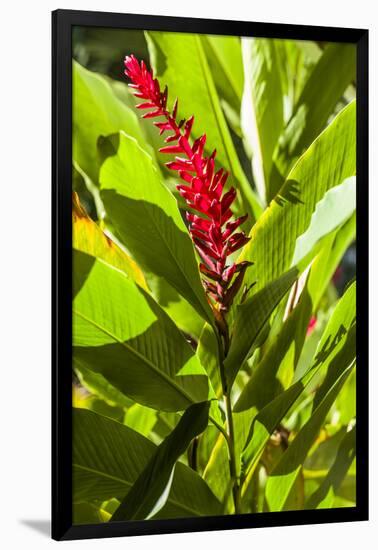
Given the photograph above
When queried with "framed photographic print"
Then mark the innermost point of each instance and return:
(210, 241)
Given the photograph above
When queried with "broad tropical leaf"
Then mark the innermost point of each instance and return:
(336, 346)
(284, 475)
(328, 80)
(325, 494)
(329, 161)
(150, 491)
(262, 115)
(108, 458)
(250, 320)
(334, 209)
(275, 371)
(147, 220)
(97, 111)
(88, 237)
(120, 332)
(225, 60)
(330, 254)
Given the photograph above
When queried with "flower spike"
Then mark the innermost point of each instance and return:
(212, 232)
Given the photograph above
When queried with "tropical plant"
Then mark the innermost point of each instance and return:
(214, 367)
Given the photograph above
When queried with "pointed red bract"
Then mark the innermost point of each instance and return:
(211, 229)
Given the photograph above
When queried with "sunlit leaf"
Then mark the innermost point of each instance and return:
(108, 458)
(329, 161)
(250, 320)
(120, 332)
(151, 490)
(328, 80)
(147, 220)
(96, 112)
(336, 347)
(262, 115)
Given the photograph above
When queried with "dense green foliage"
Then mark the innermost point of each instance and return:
(151, 420)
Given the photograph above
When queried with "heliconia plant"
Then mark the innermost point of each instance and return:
(214, 357)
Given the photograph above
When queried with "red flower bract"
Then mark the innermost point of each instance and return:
(212, 229)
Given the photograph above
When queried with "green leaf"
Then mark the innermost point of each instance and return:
(109, 457)
(179, 61)
(295, 61)
(324, 496)
(150, 491)
(334, 209)
(147, 220)
(336, 344)
(345, 404)
(262, 115)
(275, 371)
(84, 513)
(141, 419)
(225, 60)
(285, 473)
(98, 385)
(250, 320)
(217, 470)
(180, 311)
(120, 332)
(324, 266)
(330, 77)
(327, 163)
(88, 237)
(97, 111)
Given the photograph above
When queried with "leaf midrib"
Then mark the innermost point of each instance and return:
(145, 359)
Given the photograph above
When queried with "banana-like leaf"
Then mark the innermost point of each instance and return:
(285, 473)
(329, 161)
(325, 494)
(99, 386)
(332, 250)
(140, 418)
(296, 60)
(334, 209)
(146, 218)
(336, 344)
(179, 61)
(330, 77)
(250, 320)
(180, 311)
(120, 332)
(97, 111)
(262, 114)
(150, 491)
(88, 237)
(109, 457)
(225, 60)
(275, 371)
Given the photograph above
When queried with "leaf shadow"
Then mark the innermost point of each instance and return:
(138, 366)
(289, 192)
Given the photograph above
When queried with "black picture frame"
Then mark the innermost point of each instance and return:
(62, 23)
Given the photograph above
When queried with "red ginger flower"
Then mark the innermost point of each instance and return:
(212, 229)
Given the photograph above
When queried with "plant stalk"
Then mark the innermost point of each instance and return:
(223, 348)
(232, 455)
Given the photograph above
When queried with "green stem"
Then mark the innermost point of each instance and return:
(232, 455)
(223, 348)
